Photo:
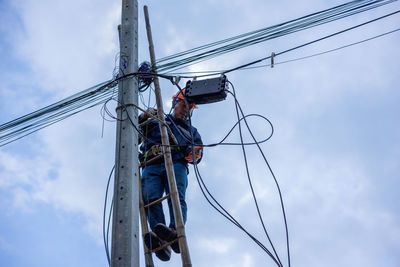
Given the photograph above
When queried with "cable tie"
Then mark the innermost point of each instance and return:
(272, 59)
(124, 106)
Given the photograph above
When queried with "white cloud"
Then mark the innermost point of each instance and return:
(61, 48)
(329, 189)
(22, 199)
(5, 245)
(247, 260)
(17, 170)
(216, 245)
(68, 45)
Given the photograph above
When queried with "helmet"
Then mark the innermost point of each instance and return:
(178, 96)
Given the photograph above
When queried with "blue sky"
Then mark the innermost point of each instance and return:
(335, 149)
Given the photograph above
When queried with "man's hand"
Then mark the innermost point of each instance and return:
(197, 152)
(149, 112)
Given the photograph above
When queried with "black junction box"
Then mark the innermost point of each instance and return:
(206, 91)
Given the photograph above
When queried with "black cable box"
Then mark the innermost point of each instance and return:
(206, 91)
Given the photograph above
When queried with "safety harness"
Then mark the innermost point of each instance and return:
(156, 150)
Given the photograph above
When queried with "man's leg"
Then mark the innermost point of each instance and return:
(153, 188)
(181, 184)
(169, 233)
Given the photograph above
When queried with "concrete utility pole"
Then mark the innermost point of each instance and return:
(125, 227)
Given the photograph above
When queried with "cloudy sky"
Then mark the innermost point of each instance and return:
(335, 150)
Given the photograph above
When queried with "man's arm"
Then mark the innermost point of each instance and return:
(198, 152)
(198, 148)
(150, 112)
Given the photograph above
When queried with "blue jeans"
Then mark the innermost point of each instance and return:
(155, 183)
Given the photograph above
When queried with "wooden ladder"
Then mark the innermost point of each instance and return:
(145, 228)
(166, 153)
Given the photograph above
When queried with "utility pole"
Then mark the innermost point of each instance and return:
(125, 226)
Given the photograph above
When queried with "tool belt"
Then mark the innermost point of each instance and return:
(154, 151)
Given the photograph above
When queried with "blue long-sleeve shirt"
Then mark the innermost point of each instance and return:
(181, 130)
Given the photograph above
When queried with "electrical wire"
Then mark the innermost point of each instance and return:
(247, 65)
(311, 42)
(334, 11)
(202, 183)
(272, 32)
(248, 175)
(338, 48)
(27, 124)
(222, 142)
(103, 93)
(105, 111)
(222, 210)
(218, 72)
(30, 123)
(105, 236)
(271, 172)
(226, 214)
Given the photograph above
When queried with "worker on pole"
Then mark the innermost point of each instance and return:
(154, 177)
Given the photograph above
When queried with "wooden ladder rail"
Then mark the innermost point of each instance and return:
(143, 219)
(145, 228)
(180, 228)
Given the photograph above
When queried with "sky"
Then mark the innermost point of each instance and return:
(334, 151)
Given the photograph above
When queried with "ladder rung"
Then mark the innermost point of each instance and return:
(150, 161)
(156, 201)
(165, 245)
(145, 122)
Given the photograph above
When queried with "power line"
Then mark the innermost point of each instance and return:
(338, 48)
(268, 33)
(32, 122)
(215, 72)
(312, 42)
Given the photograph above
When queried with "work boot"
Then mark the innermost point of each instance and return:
(167, 234)
(153, 242)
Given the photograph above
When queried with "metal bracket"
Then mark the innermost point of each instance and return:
(272, 59)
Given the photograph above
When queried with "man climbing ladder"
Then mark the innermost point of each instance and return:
(154, 176)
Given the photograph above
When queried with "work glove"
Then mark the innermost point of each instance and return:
(198, 151)
(144, 116)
